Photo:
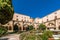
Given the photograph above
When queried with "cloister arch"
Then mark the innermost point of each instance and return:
(51, 26)
(59, 27)
(15, 28)
(25, 27)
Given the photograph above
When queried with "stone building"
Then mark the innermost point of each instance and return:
(22, 22)
(52, 21)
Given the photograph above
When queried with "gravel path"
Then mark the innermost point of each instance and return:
(12, 37)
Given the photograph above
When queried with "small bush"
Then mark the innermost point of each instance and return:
(30, 27)
(3, 31)
(42, 27)
(30, 36)
(46, 35)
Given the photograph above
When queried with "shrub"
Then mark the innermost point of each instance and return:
(3, 31)
(46, 35)
(42, 27)
(29, 36)
(30, 27)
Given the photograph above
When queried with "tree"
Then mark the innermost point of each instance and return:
(6, 11)
(42, 27)
(6, 14)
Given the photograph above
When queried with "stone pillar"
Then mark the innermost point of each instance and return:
(57, 25)
(12, 28)
(13, 25)
(35, 26)
(21, 28)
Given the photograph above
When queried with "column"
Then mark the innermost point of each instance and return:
(21, 26)
(57, 24)
(12, 25)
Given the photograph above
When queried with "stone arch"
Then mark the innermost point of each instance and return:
(10, 28)
(59, 27)
(19, 25)
(15, 28)
(51, 26)
(25, 26)
(51, 23)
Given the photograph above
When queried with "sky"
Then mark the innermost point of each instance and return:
(35, 8)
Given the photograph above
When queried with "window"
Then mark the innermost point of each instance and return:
(16, 16)
(17, 19)
(25, 20)
(55, 13)
(55, 17)
(25, 17)
(47, 19)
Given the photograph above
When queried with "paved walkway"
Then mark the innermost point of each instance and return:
(12, 37)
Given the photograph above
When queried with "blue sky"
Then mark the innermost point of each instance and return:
(35, 8)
